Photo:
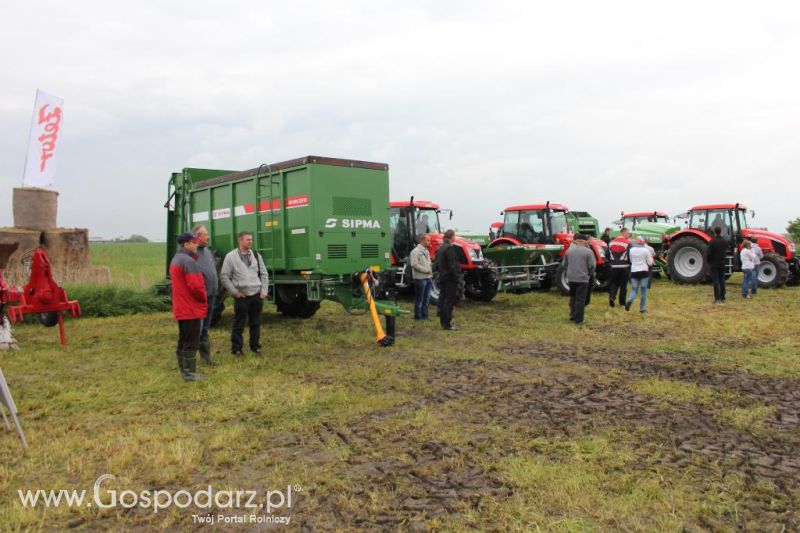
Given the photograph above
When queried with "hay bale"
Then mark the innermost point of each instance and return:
(68, 249)
(35, 208)
(16, 273)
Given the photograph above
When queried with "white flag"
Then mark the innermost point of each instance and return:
(40, 165)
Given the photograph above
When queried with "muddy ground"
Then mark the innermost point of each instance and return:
(402, 479)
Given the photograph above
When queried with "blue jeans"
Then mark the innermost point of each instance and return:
(422, 296)
(750, 280)
(638, 284)
(754, 281)
(212, 300)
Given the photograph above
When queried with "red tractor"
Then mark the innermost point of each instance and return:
(410, 219)
(533, 239)
(687, 247)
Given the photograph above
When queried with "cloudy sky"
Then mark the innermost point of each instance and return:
(603, 106)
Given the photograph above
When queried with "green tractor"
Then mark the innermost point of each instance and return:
(653, 226)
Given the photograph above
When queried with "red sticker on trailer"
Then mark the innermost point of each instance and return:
(296, 201)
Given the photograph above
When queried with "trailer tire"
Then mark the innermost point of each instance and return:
(48, 320)
(773, 272)
(687, 261)
(480, 285)
(293, 301)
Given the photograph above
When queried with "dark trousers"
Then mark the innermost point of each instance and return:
(212, 301)
(447, 299)
(189, 334)
(577, 301)
(618, 282)
(422, 295)
(247, 310)
(718, 280)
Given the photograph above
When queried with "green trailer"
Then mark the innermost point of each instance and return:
(320, 224)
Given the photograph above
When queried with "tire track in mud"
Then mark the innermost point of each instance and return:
(781, 393)
(424, 478)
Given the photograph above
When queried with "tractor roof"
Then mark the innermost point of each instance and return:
(417, 203)
(645, 214)
(537, 207)
(718, 206)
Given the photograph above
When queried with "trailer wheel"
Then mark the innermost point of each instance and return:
(687, 260)
(773, 271)
(48, 320)
(480, 284)
(219, 307)
(293, 301)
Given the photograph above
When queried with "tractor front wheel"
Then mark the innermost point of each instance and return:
(435, 288)
(773, 271)
(561, 279)
(480, 284)
(687, 260)
(293, 301)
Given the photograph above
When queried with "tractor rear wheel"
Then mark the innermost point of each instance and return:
(293, 301)
(435, 288)
(480, 284)
(773, 271)
(687, 260)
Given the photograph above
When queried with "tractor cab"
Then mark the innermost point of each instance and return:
(409, 220)
(733, 219)
(535, 224)
(632, 220)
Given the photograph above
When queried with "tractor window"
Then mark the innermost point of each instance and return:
(744, 221)
(719, 218)
(629, 223)
(558, 222)
(511, 223)
(427, 221)
(401, 232)
(531, 226)
(697, 220)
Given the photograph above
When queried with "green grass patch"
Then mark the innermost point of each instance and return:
(110, 300)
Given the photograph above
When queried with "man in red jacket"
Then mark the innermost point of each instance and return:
(189, 305)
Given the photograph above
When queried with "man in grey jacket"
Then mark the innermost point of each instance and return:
(580, 264)
(245, 276)
(207, 262)
(422, 274)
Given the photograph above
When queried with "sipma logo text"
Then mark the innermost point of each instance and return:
(352, 223)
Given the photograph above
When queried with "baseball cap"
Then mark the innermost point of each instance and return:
(185, 237)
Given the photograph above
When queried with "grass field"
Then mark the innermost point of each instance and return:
(685, 418)
(132, 265)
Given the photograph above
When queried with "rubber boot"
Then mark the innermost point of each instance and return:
(205, 352)
(190, 366)
(181, 364)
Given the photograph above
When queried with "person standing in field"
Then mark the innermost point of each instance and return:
(245, 276)
(422, 274)
(759, 256)
(641, 261)
(208, 265)
(606, 236)
(580, 264)
(717, 257)
(748, 258)
(617, 255)
(189, 304)
(449, 273)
